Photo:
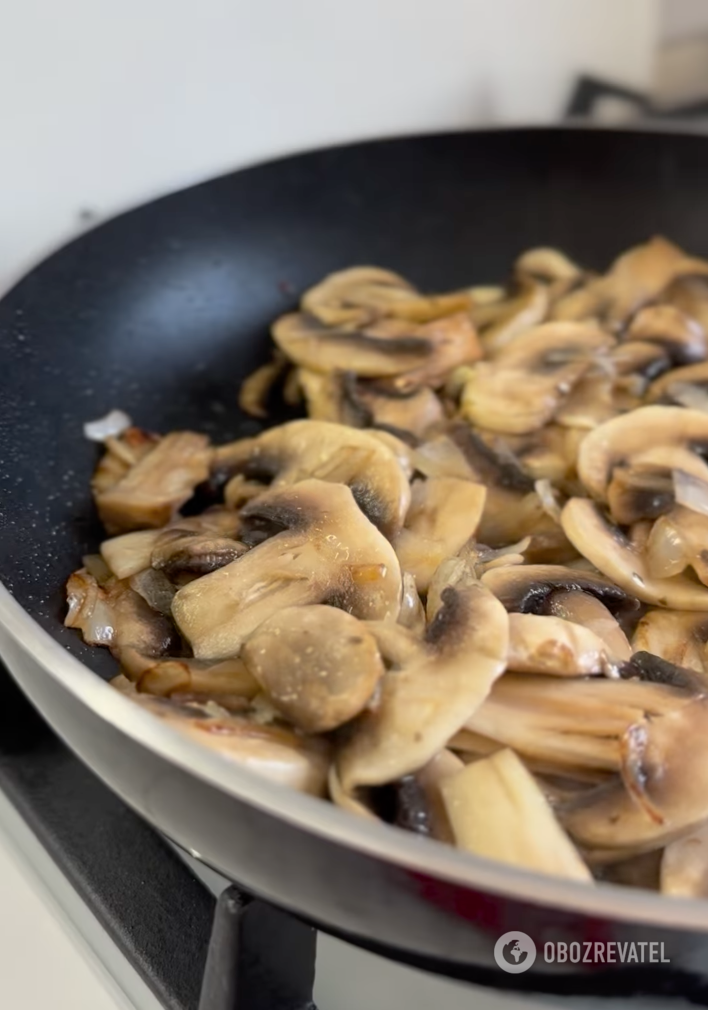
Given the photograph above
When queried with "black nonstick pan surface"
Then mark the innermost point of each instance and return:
(162, 312)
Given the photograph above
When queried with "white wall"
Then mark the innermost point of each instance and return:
(103, 104)
(681, 19)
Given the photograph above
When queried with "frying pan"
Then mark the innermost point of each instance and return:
(162, 312)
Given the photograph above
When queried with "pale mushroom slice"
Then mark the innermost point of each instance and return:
(684, 865)
(637, 277)
(551, 645)
(663, 790)
(497, 810)
(690, 294)
(684, 387)
(639, 360)
(682, 338)
(654, 438)
(122, 452)
(444, 513)
(455, 342)
(546, 454)
(424, 702)
(589, 612)
(359, 295)
(227, 682)
(328, 452)
(613, 554)
(523, 387)
(529, 589)
(677, 636)
(318, 665)
(257, 387)
(158, 484)
(273, 751)
(327, 552)
(549, 265)
(198, 545)
(129, 553)
(514, 316)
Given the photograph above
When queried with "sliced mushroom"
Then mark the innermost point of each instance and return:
(527, 589)
(684, 865)
(328, 552)
(548, 265)
(227, 682)
(591, 402)
(455, 342)
(318, 665)
(639, 359)
(444, 513)
(638, 276)
(523, 387)
(179, 551)
(426, 701)
(328, 452)
(610, 551)
(550, 645)
(676, 636)
(129, 553)
(640, 437)
(588, 611)
(116, 616)
(664, 787)
(497, 810)
(382, 403)
(157, 484)
(121, 454)
(273, 751)
(685, 387)
(682, 338)
(513, 317)
(360, 295)
(255, 390)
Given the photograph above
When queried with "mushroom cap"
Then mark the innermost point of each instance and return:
(318, 665)
(682, 338)
(632, 436)
(521, 389)
(422, 704)
(675, 386)
(328, 551)
(613, 554)
(328, 452)
(526, 589)
(551, 645)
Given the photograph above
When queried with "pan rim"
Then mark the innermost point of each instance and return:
(310, 814)
(313, 815)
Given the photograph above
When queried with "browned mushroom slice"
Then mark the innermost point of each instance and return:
(198, 545)
(362, 294)
(639, 359)
(523, 387)
(273, 751)
(640, 491)
(255, 390)
(318, 665)
(637, 437)
(381, 403)
(324, 396)
(546, 454)
(610, 551)
(686, 387)
(122, 453)
(664, 787)
(638, 276)
(591, 402)
(157, 484)
(328, 552)
(422, 704)
(547, 264)
(684, 865)
(497, 810)
(454, 341)
(690, 294)
(550, 645)
(444, 513)
(116, 616)
(677, 636)
(391, 347)
(524, 310)
(682, 338)
(328, 452)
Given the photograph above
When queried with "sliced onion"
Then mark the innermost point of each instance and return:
(665, 553)
(546, 492)
(114, 423)
(689, 395)
(690, 491)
